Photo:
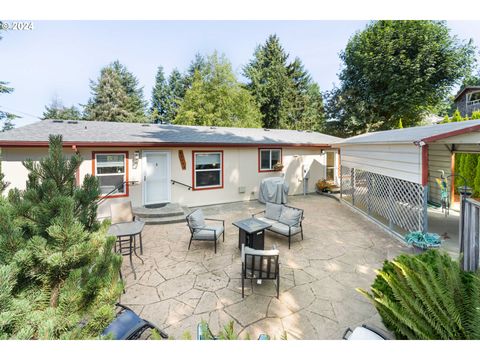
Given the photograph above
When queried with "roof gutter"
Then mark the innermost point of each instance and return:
(467, 130)
(77, 144)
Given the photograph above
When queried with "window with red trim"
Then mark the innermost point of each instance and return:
(111, 171)
(268, 158)
(208, 168)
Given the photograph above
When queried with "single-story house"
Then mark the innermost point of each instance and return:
(391, 175)
(188, 165)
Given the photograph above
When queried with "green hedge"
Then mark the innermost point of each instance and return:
(467, 165)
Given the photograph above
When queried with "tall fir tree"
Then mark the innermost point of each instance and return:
(59, 277)
(176, 86)
(161, 98)
(285, 92)
(268, 81)
(198, 64)
(116, 96)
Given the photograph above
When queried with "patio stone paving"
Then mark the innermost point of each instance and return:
(176, 288)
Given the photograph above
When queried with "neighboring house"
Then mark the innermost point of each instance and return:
(468, 100)
(188, 165)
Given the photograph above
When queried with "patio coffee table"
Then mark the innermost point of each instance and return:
(126, 234)
(251, 233)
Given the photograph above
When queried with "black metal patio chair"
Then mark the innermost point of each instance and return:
(200, 231)
(260, 265)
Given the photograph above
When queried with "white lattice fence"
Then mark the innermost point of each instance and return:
(399, 202)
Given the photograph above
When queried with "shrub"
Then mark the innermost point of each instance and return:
(59, 278)
(426, 297)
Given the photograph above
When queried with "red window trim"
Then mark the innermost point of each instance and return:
(259, 160)
(194, 188)
(94, 153)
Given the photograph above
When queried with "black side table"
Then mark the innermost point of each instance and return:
(251, 233)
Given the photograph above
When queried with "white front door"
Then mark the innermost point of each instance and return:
(156, 177)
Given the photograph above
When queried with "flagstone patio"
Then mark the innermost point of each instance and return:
(176, 288)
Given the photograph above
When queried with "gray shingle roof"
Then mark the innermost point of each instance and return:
(111, 133)
(410, 135)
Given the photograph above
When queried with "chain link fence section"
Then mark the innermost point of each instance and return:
(394, 202)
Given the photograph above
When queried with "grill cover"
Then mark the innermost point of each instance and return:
(273, 189)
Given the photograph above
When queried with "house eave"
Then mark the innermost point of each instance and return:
(91, 144)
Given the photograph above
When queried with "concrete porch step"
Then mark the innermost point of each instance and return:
(165, 220)
(167, 210)
(166, 214)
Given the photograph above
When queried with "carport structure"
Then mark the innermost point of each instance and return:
(391, 175)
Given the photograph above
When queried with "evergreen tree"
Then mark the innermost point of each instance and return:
(476, 183)
(56, 110)
(198, 64)
(5, 117)
(457, 116)
(475, 115)
(137, 103)
(176, 86)
(313, 116)
(298, 96)
(161, 98)
(216, 98)
(268, 81)
(116, 96)
(469, 168)
(400, 124)
(3, 183)
(57, 268)
(285, 92)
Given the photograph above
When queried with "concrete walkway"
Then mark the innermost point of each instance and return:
(176, 288)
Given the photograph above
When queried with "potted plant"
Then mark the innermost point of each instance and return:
(323, 186)
(422, 241)
(278, 166)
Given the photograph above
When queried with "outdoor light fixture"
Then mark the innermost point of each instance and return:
(136, 158)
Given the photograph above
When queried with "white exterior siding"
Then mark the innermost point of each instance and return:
(240, 170)
(439, 158)
(402, 161)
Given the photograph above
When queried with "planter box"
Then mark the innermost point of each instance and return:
(419, 250)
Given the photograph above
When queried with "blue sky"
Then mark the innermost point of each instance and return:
(59, 58)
